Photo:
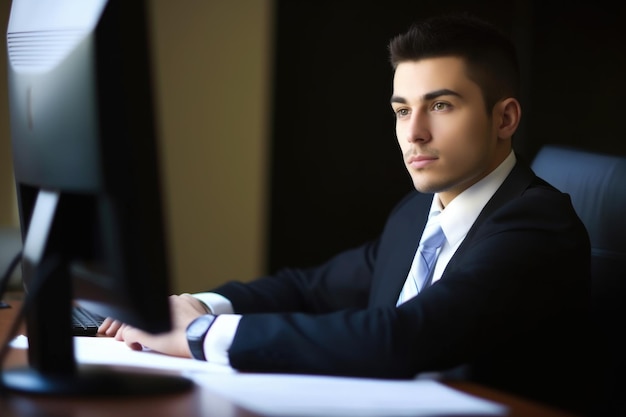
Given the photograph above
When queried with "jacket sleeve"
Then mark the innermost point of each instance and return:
(342, 282)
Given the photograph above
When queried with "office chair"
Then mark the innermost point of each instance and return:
(596, 183)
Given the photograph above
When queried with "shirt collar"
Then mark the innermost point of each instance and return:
(461, 213)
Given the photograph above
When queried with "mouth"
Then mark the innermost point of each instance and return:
(420, 161)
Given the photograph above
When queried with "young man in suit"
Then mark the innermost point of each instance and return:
(505, 304)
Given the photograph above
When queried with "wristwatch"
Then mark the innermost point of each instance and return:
(196, 332)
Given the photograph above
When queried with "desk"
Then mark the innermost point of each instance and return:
(199, 402)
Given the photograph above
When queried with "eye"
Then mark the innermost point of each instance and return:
(440, 106)
(401, 112)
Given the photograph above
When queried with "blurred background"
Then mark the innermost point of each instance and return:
(276, 132)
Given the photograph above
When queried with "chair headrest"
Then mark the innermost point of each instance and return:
(596, 183)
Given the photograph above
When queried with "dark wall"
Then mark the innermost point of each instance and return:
(578, 75)
(336, 168)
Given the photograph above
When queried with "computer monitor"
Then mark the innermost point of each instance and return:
(86, 165)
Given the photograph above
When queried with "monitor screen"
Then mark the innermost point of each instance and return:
(87, 172)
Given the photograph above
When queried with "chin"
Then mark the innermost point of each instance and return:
(426, 187)
(422, 188)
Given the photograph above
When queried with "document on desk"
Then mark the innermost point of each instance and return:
(282, 395)
(108, 351)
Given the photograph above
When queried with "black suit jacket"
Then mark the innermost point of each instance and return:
(509, 311)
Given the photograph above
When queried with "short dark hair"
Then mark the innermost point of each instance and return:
(490, 56)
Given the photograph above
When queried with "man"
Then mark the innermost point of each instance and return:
(507, 296)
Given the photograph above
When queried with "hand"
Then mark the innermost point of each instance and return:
(184, 309)
(109, 327)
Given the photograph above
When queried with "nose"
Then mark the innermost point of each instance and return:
(417, 128)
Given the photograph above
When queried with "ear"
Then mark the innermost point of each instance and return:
(507, 115)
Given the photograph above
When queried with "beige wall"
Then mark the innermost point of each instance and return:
(8, 205)
(213, 63)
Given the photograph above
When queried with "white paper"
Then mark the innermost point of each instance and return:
(281, 395)
(108, 351)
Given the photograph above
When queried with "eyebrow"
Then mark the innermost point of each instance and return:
(428, 96)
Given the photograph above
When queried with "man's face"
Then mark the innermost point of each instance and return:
(447, 139)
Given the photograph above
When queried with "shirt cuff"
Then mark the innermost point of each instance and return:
(220, 337)
(217, 304)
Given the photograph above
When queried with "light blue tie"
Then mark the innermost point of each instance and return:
(420, 274)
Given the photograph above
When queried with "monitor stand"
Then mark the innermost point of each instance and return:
(48, 301)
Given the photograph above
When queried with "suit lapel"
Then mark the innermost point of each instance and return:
(514, 185)
(404, 229)
(397, 248)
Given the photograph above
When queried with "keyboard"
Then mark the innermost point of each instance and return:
(84, 322)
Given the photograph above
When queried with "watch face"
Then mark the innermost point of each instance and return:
(199, 326)
(196, 332)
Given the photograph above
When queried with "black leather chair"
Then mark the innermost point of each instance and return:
(597, 185)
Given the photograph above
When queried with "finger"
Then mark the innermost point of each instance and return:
(105, 325)
(135, 338)
(115, 327)
(119, 334)
(109, 327)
